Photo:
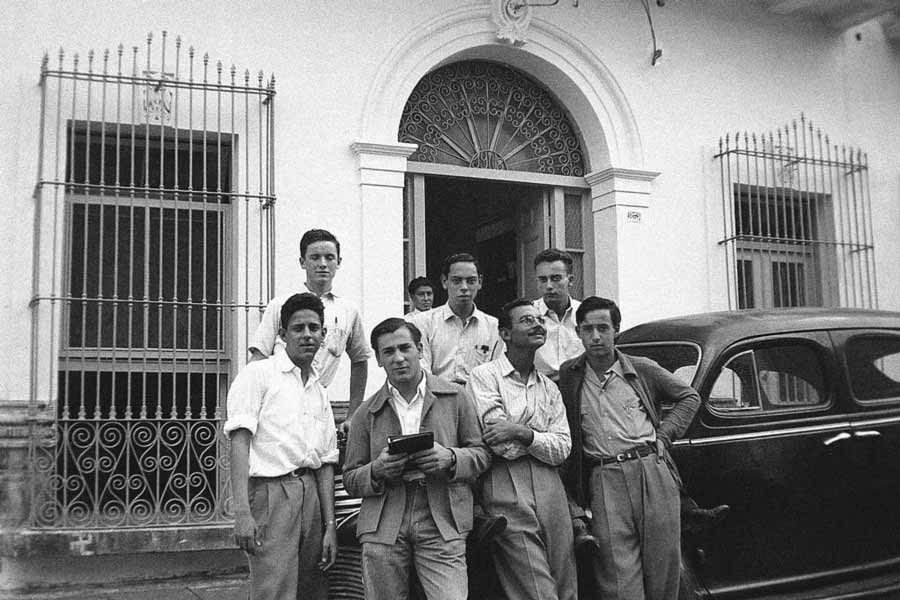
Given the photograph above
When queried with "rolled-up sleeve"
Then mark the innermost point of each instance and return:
(329, 453)
(264, 337)
(358, 349)
(245, 399)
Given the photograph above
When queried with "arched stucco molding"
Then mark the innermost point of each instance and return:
(571, 70)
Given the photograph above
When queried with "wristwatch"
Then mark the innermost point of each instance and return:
(452, 469)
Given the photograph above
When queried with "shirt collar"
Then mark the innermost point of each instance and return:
(546, 310)
(420, 391)
(286, 365)
(447, 313)
(329, 294)
(508, 370)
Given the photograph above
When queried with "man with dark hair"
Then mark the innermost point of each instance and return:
(619, 467)
(525, 426)
(421, 295)
(320, 257)
(456, 337)
(417, 508)
(553, 273)
(283, 448)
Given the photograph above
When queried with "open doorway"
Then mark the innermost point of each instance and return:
(482, 218)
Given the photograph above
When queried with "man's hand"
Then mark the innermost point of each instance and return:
(388, 466)
(434, 461)
(245, 532)
(504, 431)
(329, 547)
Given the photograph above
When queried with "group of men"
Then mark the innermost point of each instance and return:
(531, 411)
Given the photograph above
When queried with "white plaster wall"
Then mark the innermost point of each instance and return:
(726, 66)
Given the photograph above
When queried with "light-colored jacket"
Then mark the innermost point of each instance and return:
(447, 411)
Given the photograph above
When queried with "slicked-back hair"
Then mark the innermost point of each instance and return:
(552, 255)
(390, 326)
(304, 301)
(460, 257)
(318, 235)
(592, 303)
(504, 319)
(417, 283)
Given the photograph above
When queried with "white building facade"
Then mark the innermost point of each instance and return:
(155, 196)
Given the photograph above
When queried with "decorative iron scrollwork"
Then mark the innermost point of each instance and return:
(484, 115)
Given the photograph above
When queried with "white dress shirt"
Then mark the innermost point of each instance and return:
(451, 347)
(344, 332)
(291, 422)
(500, 393)
(409, 413)
(562, 341)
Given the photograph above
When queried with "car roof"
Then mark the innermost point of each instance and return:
(727, 327)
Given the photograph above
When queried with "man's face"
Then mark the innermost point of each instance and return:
(462, 283)
(321, 262)
(527, 330)
(598, 334)
(553, 282)
(303, 336)
(399, 355)
(423, 297)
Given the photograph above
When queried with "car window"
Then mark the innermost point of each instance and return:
(873, 363)
(681, 358)
(769, 379)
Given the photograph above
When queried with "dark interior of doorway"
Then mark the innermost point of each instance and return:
(478, 217)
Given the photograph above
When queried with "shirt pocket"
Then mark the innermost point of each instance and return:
(336, 339)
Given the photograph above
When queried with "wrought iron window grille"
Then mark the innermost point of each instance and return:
(154, 236)
(797, 220)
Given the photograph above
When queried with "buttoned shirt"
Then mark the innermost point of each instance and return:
(409, 413)
(291, 423)
(344, 333)
(451, 347)
(562, 341)
(613, 418)
(500, 392)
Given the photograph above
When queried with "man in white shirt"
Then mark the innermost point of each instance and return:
(456, 336)
(421, 295)
(417, 508)
(553, 272)
(283, 448)
(525, 426)
(320, 257)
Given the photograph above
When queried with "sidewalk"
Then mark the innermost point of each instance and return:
(231, 587)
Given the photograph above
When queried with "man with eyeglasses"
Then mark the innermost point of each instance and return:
(620, 467)
(524, 424)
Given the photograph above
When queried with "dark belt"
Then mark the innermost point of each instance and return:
(295, 474)
(633, 453)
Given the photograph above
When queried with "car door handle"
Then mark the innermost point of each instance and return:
(867, 433)
(838, 437)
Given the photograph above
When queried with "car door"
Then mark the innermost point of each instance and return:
(766, 442)
(871, 362)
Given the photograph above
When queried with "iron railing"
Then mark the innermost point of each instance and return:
(154, 236)
(797, 220)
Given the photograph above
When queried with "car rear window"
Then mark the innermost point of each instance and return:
(873, 363)
(774, 378)
(681, 358)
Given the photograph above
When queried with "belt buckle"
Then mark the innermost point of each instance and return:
(621, 457)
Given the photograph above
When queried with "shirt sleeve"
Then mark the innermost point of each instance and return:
(264, 337)
(553, 446)
(245, 400)
(329, 453)
(485, 392)
(358, 349)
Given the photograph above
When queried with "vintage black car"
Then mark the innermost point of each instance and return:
(799, 432)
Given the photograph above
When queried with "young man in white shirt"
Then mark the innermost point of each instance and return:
(553, 273)
(320, 257)
(283, 451)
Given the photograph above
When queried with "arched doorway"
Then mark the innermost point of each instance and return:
(499, 172)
